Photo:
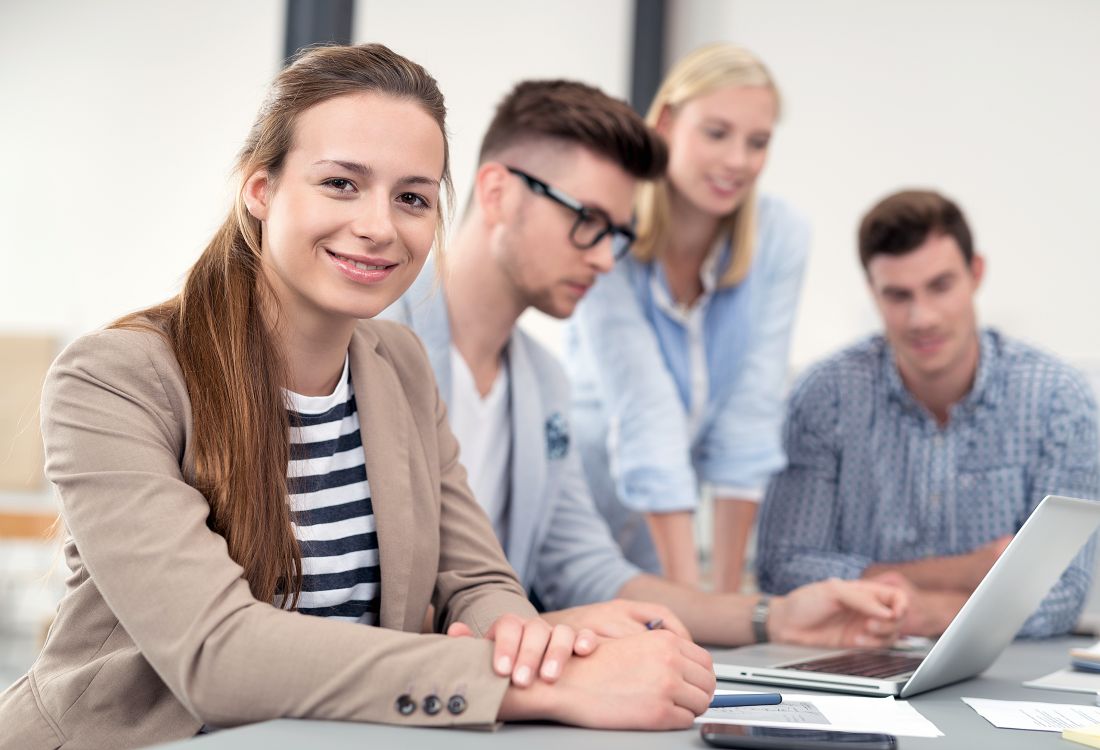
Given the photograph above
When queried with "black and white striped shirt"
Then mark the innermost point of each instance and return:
(331, 506)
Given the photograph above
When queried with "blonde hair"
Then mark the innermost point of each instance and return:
(701, 72)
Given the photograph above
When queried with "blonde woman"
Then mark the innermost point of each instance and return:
(679, 356)
(259, 487)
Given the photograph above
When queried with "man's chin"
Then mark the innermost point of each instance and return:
(930, 368)
(559, 310)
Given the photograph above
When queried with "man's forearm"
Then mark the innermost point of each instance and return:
(955, 573)
(674, 537)
(713, 619)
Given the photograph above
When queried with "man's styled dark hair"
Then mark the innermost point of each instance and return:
(576, 114)
(900, 223)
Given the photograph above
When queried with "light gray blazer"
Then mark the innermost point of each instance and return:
(158, 633)
(557, 541)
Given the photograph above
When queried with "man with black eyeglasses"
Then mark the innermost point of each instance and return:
(551, 208)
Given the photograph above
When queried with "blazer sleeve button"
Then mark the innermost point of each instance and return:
(405, 704)
(433, 704)
(456, 704)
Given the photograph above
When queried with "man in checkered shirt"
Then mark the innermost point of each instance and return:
(915, 455)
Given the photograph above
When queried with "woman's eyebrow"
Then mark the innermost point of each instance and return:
(418, 180)
(365, 171)
(352, 166)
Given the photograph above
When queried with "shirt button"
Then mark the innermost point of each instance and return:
(405, 704)
(456, 705)
(433, 705)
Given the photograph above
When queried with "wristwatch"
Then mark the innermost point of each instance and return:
(760, 618)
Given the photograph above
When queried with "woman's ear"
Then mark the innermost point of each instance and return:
(257, 194)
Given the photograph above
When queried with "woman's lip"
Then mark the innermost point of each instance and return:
(364, 259)
(733, 188)
(360, 275)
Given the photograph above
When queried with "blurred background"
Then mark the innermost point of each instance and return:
(120, 120)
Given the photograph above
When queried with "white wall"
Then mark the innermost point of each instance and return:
(121, 119)
(120, 122)
(994, 102)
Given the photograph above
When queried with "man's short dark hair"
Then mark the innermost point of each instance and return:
(574, 113)
(900, 223)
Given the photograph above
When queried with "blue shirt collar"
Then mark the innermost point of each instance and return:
(714, 265)
(980, 391)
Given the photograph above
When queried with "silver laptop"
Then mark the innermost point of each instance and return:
(988, 622)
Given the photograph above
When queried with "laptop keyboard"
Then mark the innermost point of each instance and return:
(875, 664)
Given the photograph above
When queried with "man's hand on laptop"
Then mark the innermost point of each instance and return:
(839, 613)
(930, 610)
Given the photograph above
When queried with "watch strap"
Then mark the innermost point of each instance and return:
(760, 618)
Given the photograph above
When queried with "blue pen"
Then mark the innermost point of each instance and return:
(745, 699)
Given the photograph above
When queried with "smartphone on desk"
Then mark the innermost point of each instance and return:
(782, 738)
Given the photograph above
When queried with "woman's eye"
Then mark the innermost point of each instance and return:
(415, 200)
(716, 135)
(340, 184)
(759, 143)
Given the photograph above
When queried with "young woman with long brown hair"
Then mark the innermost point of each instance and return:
(259, 486)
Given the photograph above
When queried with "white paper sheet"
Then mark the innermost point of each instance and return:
(1047, 717)
(1068, 679)
(840, 713)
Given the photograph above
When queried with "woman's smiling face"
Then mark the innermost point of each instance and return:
(718, 143)
(351, 216)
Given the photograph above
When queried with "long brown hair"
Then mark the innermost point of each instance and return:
(232, 366)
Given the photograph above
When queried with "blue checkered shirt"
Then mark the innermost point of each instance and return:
(872, 477)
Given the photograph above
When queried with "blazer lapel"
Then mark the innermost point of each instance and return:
(384, 422)
(527, 501)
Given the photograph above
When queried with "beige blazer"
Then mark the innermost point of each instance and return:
(158, 633)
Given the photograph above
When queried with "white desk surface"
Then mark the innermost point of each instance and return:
(962, 727)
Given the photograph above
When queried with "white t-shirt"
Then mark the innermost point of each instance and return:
(483, 427)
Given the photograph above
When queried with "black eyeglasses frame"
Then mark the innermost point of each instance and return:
(621, 236)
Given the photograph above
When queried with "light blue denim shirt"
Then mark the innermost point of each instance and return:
(666, 398)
